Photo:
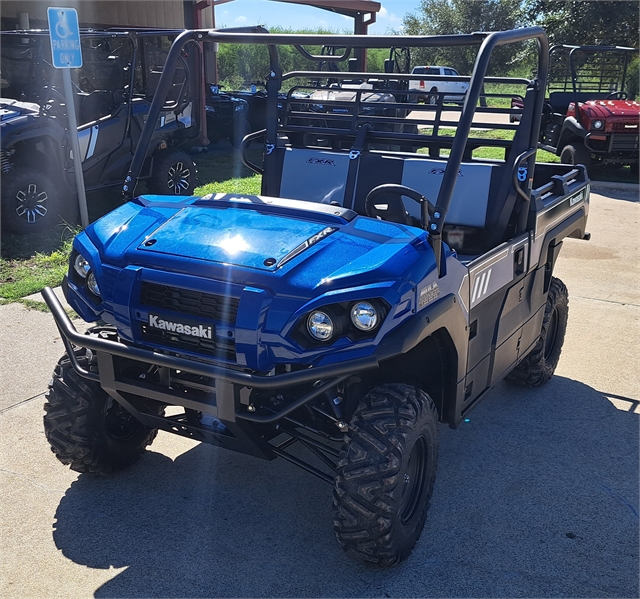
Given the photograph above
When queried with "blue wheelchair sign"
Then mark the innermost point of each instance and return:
(64, 33)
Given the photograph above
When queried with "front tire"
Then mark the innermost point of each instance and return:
(30, 202)
(385, 475)
(538, 366)
(575, 153)
(86, 428)
(174, 173)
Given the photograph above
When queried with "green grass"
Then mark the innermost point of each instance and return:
(22, 277)
(224, 173)
(489, 151)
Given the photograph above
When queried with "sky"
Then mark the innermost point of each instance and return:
(269, 13)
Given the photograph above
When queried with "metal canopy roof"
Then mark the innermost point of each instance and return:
(344, 7)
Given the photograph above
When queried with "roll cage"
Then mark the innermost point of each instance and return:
(521, 151)
(581, 73)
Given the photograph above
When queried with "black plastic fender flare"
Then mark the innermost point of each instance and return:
(570, 128)
(50, 134)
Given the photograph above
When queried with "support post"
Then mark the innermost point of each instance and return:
(75, 146)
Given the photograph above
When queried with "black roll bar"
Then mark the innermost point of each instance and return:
(487, 41)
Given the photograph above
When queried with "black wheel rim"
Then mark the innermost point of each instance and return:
(31, 203)
(178, 179)
(119, 423)
(414, 479)
(552, 333)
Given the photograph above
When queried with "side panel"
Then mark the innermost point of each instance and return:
(502, 298)
(105, 157)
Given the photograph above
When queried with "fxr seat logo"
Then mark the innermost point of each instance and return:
(322, 161)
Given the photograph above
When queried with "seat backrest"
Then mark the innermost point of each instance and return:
(560, 100)
(321, 176)
(314, 175)
(470, 198)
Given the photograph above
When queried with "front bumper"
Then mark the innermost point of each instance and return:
(613, 147)
(222, 392)
(228, 382)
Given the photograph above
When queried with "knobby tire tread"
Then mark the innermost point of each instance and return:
(72, 425)
(369, 474)
(534, 370)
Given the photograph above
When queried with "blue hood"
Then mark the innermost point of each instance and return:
(231, 235)
(228, 237)
(272, 260)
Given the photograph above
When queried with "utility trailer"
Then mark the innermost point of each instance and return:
(335, 320)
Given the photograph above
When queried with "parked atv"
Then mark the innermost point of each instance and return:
(226, 117)
(365, 297)
(112, 95)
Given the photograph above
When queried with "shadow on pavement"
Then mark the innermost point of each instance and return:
(536, 495)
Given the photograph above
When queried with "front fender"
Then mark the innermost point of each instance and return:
(571, 128)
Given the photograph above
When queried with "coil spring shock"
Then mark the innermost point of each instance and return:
(5, 163)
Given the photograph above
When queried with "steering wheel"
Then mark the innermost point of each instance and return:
(391, 207)
(51, 100)
(617, 96)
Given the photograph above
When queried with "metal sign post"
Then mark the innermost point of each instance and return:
(66, 54)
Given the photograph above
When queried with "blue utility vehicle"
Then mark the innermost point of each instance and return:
(112, 95)
(364, 297)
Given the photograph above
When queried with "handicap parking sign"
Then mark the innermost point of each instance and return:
(64, 33)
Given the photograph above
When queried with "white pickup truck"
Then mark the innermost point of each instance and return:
(451, 91)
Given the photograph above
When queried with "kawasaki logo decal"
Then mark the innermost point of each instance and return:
(573, 200)
(196, 330)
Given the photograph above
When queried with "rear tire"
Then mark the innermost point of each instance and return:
(575, 153)
(86, 428)
(385, 475)
(432, 98)
(539, 365)
(174, 173)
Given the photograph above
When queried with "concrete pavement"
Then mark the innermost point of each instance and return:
(536, 496)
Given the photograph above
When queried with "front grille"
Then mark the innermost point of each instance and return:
(624, 143)
(220, 348)
(221, 308)
(630, 127)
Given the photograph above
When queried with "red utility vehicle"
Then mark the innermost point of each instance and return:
(588, 118)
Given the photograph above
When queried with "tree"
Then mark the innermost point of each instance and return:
(441, 17)
(580, 22)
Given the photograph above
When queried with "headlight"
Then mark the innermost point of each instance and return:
(238, 107)
(597, 124)
(364, 316)
(81, 266)
(92, 284)
(320, 326)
